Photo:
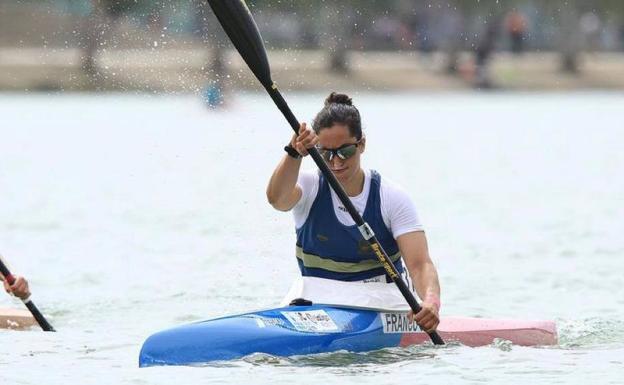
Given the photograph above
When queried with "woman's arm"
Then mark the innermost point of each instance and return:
(282, 191)
(413, 247)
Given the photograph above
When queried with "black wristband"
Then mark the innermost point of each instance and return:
(290, 150)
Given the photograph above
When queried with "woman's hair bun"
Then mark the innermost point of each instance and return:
(337, 98)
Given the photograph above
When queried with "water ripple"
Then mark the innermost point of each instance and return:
(590, 332)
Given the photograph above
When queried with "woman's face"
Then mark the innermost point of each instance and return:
(335, 137)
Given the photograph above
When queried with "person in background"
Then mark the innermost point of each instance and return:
(483, 54)
(329, 245)
(592, 29)
(19, 288)
(516, 27)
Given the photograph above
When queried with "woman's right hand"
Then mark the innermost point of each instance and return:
(305, 139)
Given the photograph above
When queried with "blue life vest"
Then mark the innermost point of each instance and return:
(328, 249)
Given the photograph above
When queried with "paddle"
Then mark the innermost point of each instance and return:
(29, 304)
(241, 28)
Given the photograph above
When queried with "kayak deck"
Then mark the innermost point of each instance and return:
(298, 330)
(16, 319)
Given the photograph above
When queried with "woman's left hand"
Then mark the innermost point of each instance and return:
(428, 318)
(19, 288)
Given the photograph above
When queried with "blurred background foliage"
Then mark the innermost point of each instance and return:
(377, 23)
(450, 27)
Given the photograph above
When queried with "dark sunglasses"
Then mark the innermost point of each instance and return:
(343, 152)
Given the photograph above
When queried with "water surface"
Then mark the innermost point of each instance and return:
(131, 214)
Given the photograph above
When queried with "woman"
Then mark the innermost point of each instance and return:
(19, 288)
(329, 245)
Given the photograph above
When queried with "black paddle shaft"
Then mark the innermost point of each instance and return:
(45, 325)
(238, 23)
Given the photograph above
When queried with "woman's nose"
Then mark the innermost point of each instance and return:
(336, 160)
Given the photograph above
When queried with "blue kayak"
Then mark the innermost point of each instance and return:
(299, 330)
